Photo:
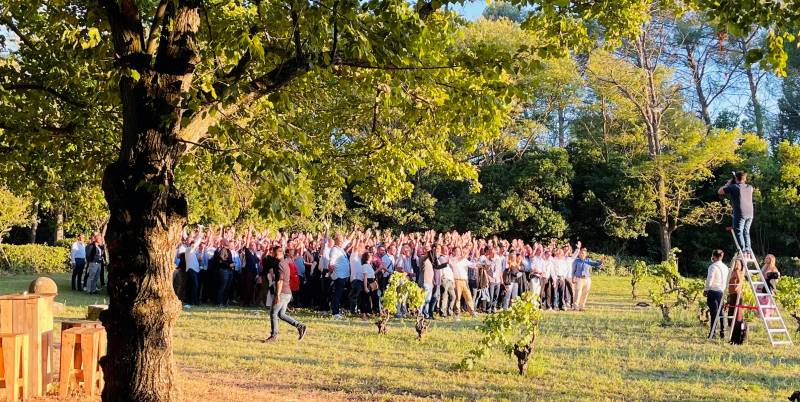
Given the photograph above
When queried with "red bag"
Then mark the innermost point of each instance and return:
(294, 279)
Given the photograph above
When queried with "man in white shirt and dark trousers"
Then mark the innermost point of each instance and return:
(77, 259)
(716, 281)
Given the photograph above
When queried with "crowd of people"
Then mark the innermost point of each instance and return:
(88, 263)
(349, 272)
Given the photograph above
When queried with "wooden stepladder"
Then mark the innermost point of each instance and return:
(768, 311)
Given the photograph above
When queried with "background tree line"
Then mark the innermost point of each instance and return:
(622, 148)
(328, 112)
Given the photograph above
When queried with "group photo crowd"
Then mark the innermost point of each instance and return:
(349, 272)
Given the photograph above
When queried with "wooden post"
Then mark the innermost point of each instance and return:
(90, 344)
(67, 374)
(31, 315)
(14, 365)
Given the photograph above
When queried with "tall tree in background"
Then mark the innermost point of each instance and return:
(704, 61)
(755, 77)
(678, 157)
(503, 9)
(789, 103)
(644, 83)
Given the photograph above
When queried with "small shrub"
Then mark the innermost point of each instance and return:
(789, 266)
(675, 290)
(788, 295)
(615, 265)
(66, 243)
(33, 259)
(513, 331)
(639, 271)
(610, 264)
(401, 290)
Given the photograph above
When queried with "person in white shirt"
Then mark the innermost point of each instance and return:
(339, 268)
(560, 274)
(77, 259)
(370, 300)
(716, 280)
(569, 290)
(193, 268)
(537, 273)
(388, 260)
(460, 267)
(549, 288)
(356, 276)
(208, 275)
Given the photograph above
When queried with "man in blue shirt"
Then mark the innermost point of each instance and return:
(582, 278)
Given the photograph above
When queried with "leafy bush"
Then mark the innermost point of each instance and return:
(789, 266)
(639, 271)
(33, 258)
(675, 290)
(513, 331)
(14, 211)
(615, 265)
(788, 296)
(399, 290)
(66, 243)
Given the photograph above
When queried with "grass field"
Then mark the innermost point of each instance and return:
(611, 352)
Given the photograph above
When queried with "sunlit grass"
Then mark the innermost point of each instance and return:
(610, 352)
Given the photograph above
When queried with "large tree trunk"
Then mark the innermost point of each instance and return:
(758, 113)
(147, 213)
(34, 226)
(752, 83)
(145, 225)
(58, 225)
(562, 129)
(664, 233)
(697, 80)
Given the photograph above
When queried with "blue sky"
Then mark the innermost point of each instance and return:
(471, 9)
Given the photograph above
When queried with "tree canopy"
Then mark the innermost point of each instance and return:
(235, 111)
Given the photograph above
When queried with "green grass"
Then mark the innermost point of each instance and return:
(610, 352)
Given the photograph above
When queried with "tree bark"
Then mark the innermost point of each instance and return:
(58, 226)
(34, 226)
(758, 113)
(697, 80)
(752, 82)
(147, 211)
(664, 232)
(562, 130)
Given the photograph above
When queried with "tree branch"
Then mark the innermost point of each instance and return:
(365, 64)
(155, 27)
(43, 88)
(14, 28)
(334, 22)
(298, 44)
(126, 27)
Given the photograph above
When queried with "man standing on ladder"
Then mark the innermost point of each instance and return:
(741, 195)
(716, 281)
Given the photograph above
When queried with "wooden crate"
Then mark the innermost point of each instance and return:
(32, 315)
